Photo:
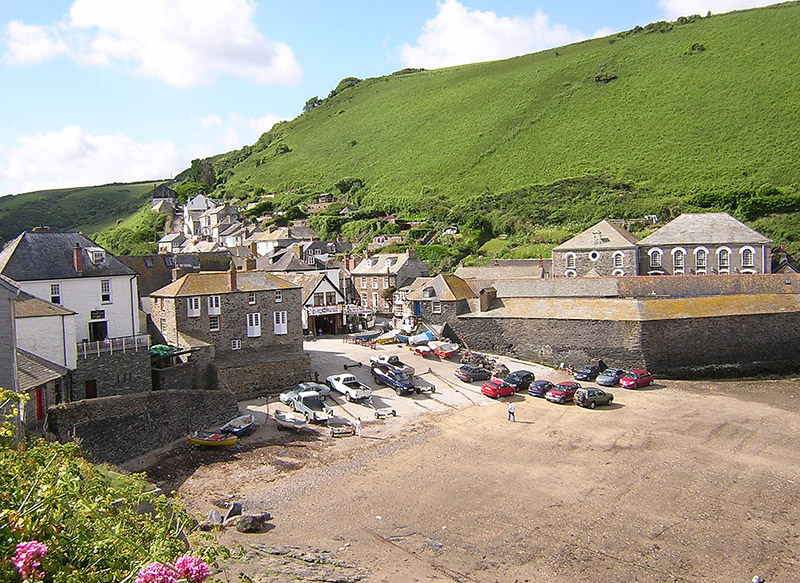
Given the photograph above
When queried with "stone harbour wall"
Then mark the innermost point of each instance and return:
(119, 428)
(676, 348)
(263, 378)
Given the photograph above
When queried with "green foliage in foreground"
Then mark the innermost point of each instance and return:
(136, 235)
(85, 515)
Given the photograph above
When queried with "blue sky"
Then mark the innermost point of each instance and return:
(98, 91)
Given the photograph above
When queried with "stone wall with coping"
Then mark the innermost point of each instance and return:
(119, 428)
(118, 373)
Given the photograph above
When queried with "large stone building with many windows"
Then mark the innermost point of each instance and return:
(248, 323)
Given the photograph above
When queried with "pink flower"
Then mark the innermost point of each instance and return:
(157, 573)
(193, 569)
(26, 560)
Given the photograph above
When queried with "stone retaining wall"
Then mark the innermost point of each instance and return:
(119, 428)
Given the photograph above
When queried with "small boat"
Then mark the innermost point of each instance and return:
(212, 439)
(402, 338)
(239, 426)
(289, 420)
(444, 349)
(423, 338)
(368, 335)
(388, 337)
(423, 350)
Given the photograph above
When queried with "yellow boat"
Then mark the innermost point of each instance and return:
(212, 439)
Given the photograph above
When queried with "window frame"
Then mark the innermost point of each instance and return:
(253, 323)
(436, 307)
(105, 291)
(214, 306)
(278, 296)
(251, 298)
(280, 322)
(213, 323)
(55, 293)
(193, 309)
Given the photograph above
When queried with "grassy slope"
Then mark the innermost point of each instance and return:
(673, 121)
(88, 209)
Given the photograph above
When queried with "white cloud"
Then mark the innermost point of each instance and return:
(28, 45)
(184, 43)
(235, 131)
(458, 35)
(72, 158)
(676, 8)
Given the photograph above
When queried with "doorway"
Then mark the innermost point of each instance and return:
(98, 331)
(90, 387)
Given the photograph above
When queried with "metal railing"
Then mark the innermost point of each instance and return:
(111, 345)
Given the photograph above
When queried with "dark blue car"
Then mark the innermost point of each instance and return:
(519, 379)
(587, 373)
(539, 388)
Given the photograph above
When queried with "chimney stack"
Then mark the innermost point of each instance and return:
(77, 258)
(177, 273)
(232, 276)
(249, 263)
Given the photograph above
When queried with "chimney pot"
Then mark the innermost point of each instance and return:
(232, 276)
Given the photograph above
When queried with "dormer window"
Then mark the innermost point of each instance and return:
(429, 292)
(98, 256)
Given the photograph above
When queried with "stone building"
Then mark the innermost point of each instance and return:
(441, 299)
(8, 344)
(704, 244)
(249, 322)
(323, 303)
(377, 276)
(600, 251)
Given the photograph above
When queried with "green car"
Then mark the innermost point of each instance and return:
(591, 397)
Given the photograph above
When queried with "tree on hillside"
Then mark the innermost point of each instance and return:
(311, 104)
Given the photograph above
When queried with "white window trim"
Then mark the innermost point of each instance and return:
(236, 344)
(618, 255)
(363, 283)
(436, 307)
(105, 284)
(211, 326)
(618, 273)
(253, 324)
(570, 273)
(193, 307)
(55, 293)
(278, 296)
(214, 304)
(279, 322)
(251, 298)
(752, 264)
(697, 253)
(386, 282)
(594, 255)
(725, 268)
(374, 283)
(675, 267)
(653, 252)
(570, 261)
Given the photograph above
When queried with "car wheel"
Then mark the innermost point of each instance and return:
(417, 390)
(347, 397)
(377, 415)
(433, 390)
(650, 383)
(592, 405)
(561, 401)
(610, 401)
(399, 391)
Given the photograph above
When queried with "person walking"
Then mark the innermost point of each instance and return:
(512, 412)
(357, 423)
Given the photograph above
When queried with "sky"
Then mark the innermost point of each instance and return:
(100, 91)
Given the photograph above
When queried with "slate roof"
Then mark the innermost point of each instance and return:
(170, 237)
(39, 255)
(503, 268)
(308, 281)
(704, 229)
(153, 271)
(287, 234)
(611, 237)
(216, 282)
(377, 264)
(447, 288)
(29, 306)
(33, 370)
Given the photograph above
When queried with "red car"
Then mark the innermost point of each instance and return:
(636, 378)
(496, 388)
(562, 392)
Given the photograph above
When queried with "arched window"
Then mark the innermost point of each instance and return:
(570, 273)
(748, 257)
(655, 258)
(619, 260)
(724, 259)
(678, 258)
(701, 258)
(618, 273)
(569, 258)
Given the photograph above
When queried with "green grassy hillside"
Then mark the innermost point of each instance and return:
(692, 115)
(88, 209)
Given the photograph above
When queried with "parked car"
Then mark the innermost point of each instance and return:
(469, 373)
(636, 378)
(519, 379)
(540, 388)
(609, 377)
(393, 377)
(349, 386)
(323, 390)
(496, 388)
(591, 397)
(562, 392)
(395, 361)
(586, 373)
(308, 403)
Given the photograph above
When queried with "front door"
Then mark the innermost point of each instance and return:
(98, 331)
(91, 388)
(39, 403)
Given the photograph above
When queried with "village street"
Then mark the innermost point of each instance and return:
(683, 481)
